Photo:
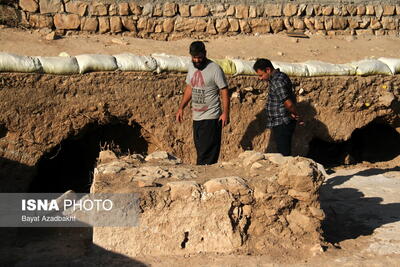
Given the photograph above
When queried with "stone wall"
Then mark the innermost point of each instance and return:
(169, 21)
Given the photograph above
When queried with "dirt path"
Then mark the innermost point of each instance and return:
(338, 49)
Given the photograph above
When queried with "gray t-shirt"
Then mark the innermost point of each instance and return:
(205, 91)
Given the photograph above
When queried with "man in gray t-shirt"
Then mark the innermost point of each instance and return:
(205, 83)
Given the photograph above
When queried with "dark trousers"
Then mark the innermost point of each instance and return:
(282, 135)
(207, 140)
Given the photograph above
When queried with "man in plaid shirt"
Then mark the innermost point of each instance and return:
(281, 105)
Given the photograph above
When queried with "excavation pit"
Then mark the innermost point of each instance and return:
(40, 111)
(375, 142)
(69, 165)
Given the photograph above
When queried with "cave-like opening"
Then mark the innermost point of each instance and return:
(373, 143)
(70, 164)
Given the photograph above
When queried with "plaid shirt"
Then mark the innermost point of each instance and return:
(280, 89)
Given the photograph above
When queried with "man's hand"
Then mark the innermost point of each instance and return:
(187, 95)
(179, 115)
(224, 118)
(297, 118)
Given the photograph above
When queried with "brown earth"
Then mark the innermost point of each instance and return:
(39, 112)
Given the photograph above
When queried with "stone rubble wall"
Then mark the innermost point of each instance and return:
(170, 21)
(261, 203)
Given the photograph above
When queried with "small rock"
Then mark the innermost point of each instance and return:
(51, 36)
(246, 154)
(118, 41)
(70, 33)
(157, 156)
(256, 166)
(106, 155)
(183, 174)
(154, 172)
(253, 158)
(184, 190)
(317, 213)
(144, 182)
(276, 158)
(248, 89)
(112, 169)
(303, 196)
(45, 31)
(317, 250)
(348, 160)
(136, 157)
(301, 91)
(280, 54)
(233, 184)
(386, 99)
(295, 40)
(235, 95)
(227, 164)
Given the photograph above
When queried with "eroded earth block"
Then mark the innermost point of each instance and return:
(247, 205)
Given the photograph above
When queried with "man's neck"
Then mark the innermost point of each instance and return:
(204, 65)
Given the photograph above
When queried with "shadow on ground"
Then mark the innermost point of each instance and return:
(349, 214)
(47, 247)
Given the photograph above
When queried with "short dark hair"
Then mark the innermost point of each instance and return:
(262, 64)
(197, 48)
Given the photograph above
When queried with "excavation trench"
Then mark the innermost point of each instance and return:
(372, 143)
(53, 132)
(69, 165)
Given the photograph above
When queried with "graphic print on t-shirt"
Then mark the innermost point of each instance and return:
(197, 79)
(198, 91)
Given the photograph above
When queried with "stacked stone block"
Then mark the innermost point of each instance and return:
(177, 20)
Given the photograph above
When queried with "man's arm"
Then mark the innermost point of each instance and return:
(225, 106)
(187, 95)
(291, 107)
